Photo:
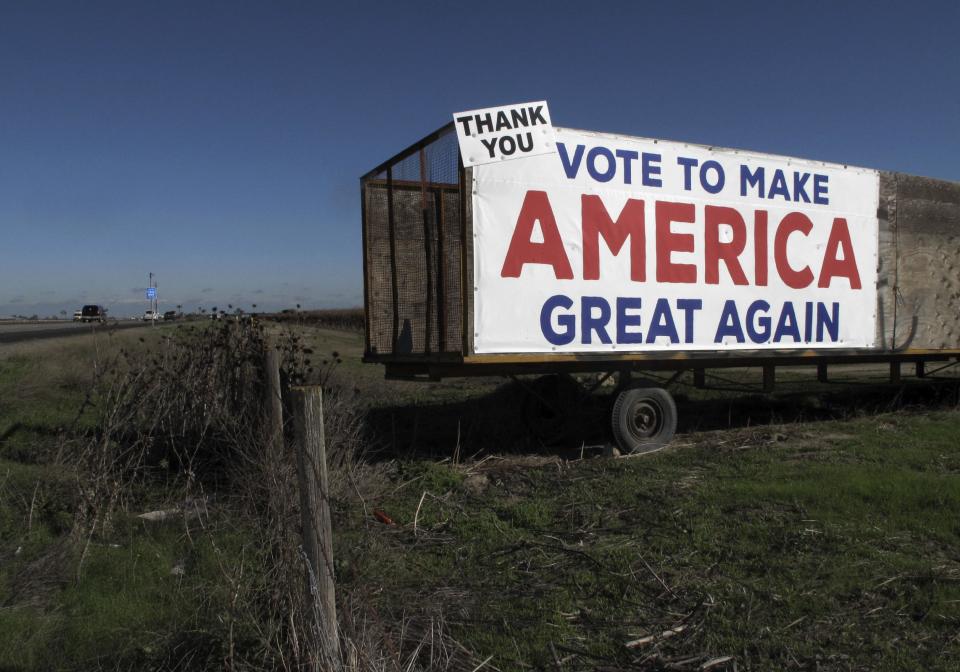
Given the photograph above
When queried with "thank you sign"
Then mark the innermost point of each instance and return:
(496, 134)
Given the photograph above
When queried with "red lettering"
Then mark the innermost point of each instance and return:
(522, 250)
(630, 224)
(834, 267)
(716, 251)
(669, 242)
(839, 259)
(795, 221)
(760, 248)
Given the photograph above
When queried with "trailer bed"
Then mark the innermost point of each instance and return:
(418, 271)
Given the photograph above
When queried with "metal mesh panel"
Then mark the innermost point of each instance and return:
(379, 280)
(451, 272)
(443, 161)
(412, 234)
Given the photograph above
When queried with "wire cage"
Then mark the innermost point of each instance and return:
(413, 232)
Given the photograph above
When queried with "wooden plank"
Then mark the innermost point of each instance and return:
(928, 263)
(273, 402)
(307, 403)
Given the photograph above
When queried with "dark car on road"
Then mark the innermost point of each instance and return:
(170, 315)
(92, 313)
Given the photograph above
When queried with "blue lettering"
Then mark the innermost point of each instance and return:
(687, 165)
(799, 187)
(571, 168)
(778, 186)
(787, 324)
(688, 306)
(651, 168)
(628, 157)
(754, 179)
(568, 323)
(625, 320)
(807, 321)
(829, 322)
(820, 196)
(721, 178)
(729, 323)
(761, 335)
(661, 324)
(589, 323)
(607, 175)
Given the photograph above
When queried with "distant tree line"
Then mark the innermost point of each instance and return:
(344, 319)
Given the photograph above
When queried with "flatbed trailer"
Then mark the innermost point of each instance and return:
(421, 237)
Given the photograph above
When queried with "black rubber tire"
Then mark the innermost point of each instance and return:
(644, 419)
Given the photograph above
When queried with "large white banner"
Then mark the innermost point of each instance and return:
(619, 244)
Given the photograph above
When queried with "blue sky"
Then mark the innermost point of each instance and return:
(219, 144)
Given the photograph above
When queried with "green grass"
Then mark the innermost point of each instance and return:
(812, 545)
(125, 607)
(828, 544)
(129, 602)
(43, 385)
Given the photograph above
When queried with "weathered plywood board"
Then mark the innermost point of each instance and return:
(919, 279)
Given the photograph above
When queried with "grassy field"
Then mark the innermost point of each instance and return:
(815, 529)
(783, 547)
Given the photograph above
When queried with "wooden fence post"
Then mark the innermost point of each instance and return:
(273, 402)
(307, 405)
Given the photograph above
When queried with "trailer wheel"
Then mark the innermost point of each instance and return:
(644, 419)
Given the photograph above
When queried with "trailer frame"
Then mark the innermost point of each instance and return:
(418, 298)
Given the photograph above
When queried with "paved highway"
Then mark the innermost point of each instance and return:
(13, 332)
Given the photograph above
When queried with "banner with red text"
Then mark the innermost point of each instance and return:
(621, 244)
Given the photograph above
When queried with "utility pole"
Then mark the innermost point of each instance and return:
(153, 300)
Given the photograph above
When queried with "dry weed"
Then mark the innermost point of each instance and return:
(192, 407)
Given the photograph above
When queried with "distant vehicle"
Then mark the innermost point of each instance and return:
(150, 316)
(77, 315)
(93, 313)
(219, 315)
(170, 315)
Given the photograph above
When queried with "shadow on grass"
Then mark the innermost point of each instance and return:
(820, 402)
(502, 422)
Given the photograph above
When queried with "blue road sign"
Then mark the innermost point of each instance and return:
(151, 292)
